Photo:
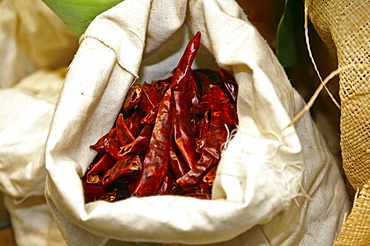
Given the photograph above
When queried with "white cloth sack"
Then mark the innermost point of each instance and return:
(257, 195)
(26, 111)
(33, 41)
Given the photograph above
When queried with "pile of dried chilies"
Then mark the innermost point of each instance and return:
(168, 136)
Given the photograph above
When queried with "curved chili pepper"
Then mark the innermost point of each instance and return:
(132, 97)
(99, 145)
(112, 148)
(127, 164)
(103, 164)
(92, 192)
(155, 161)
(124, 135)
(139, 145)
(150, 117)
(151, 93)
(145, 104)
(133, 122)
(183, 135)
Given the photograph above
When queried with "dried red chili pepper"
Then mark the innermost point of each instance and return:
(157, 155)
(127, 164)
(176, 164)
(112, 148)
(194, 91)
(151, 93)
(99, 145)
(221, 119)
(156, 158)
(93, 192)
(132, 97)
(150, 117)
(124, 135)
(139, 145)
(145, 104)
(183, 135)
(171, 139)
(133, 123)
(167, 184)
(202, 132)
(103, 164)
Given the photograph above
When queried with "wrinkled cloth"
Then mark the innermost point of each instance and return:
(275, 185)
(32, 37)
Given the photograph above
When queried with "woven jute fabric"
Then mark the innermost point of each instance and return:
(355, 230)
(344, 25)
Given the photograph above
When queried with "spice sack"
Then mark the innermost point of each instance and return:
(276, 184)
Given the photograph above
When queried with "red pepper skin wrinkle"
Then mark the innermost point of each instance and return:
(156, 158)
(162, 86)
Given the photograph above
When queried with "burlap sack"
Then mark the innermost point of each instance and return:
(344, 26)
(275, 185)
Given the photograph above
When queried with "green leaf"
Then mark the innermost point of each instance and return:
(78, 14)
(286, 47)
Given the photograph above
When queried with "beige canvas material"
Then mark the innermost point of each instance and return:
(32, 37)
(259, 192)
(345, 27)
(35, 47)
